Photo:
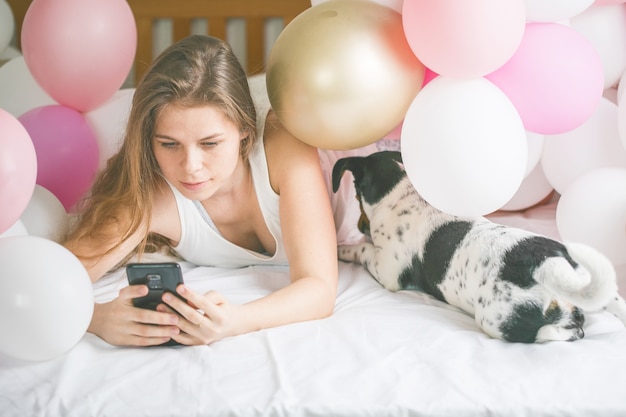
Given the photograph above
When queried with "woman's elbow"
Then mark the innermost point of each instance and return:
(328, 299)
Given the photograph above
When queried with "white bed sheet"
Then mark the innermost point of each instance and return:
(380, 354)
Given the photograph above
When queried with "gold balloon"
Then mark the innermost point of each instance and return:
(341, 75)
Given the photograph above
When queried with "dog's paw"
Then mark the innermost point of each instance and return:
(350, 253)
(345, 253)
(550, 332)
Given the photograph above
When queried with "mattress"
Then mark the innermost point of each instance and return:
(379, 354)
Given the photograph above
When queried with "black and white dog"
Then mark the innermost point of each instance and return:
(519, 286)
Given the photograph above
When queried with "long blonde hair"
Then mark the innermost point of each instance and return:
(197, 70)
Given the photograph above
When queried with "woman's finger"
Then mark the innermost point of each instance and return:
(209, 303)
(120, 323)
(184, 309)
(163, 318)
(192, 334)
(142, 315)
(133, 291)
(187, 339)
(147, 341)
(203, 319)
(152, 331)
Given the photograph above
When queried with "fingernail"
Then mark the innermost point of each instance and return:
(181, 289)
(167, 297)
(174, 331)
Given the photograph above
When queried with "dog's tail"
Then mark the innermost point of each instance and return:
(591, 285)
(617, 307)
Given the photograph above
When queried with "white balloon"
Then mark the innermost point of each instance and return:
(7, 25)
(605, 27)
(109, 122)
(595, 144)
(621, 86)
(611, 94)
(592, 210)
(621, 121)
(534, 189)
(535, 149)
(464, 146)
(45, 215)
(554, 10)
(18, 229)
(9, 53)
(20, 91)
(394, 4)
(46, 298)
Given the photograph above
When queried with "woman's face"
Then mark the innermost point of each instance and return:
(197, 149)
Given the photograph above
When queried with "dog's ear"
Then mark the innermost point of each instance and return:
(351, 163)
(395, 155)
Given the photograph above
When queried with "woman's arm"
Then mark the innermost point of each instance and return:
(308, 232)
(119, 322)
(310, 242)
(94, 255)
(307, 225)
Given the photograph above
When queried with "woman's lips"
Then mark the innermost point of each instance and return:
(193, 186)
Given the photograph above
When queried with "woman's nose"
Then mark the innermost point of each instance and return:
(193, 160)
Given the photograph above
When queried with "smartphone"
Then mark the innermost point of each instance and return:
(159, 277)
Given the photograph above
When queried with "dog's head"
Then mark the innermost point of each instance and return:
(374, 175)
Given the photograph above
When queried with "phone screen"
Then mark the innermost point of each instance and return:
(159, 277)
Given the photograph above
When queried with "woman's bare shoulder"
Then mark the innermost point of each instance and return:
(165, 220)
(285, 153)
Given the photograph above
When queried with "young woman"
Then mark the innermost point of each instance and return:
(222, 184)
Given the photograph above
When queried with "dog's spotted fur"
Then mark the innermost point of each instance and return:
(519, 286)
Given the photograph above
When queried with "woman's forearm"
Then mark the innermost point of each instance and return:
(307, 298)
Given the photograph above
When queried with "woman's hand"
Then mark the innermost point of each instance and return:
(120, 323)
(203, 319)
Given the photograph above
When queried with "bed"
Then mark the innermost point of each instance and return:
(379, 354)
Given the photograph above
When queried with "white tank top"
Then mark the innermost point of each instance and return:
(201, 243)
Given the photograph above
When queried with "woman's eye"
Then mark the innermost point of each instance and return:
(168, 145)
(209, 144)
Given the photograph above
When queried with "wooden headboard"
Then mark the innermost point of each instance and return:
(217, 14)
(19, 8)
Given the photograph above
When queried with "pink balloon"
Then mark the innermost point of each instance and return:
(67, 151)
(555, 78)
(80, 52)
(429, 75)
(608, 2)
(18, 170)
(463, 39)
